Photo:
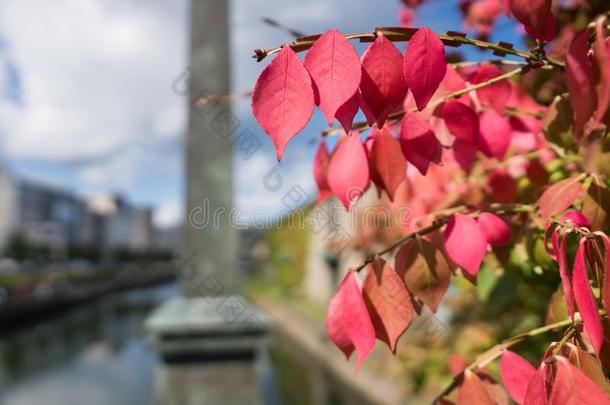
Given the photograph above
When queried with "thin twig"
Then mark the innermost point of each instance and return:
(442, 217)
(400, 34)
(496, 351)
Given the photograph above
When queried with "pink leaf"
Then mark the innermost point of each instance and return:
(335, 69)
(585, 300)
(346, 113)
(424, 65)
(348, 323)
(320, 171)
(461, 121)
(572, 387)
(496, 134)
(606, 280)
(495, 95)
(559, 196)
(534, 14)
(536, 393)
(465, 243)
(561, 255)
(579, 77)
(348, 170)
(464, 153)
(388, 165)
(473, 391)
(383, 86)
(602, 64)
(418, 143)
(282, 100)
(370, 118)
(516, 375)
(495, 229)
(388, 302)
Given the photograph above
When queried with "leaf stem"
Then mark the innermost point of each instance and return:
(455, 94)
(494, 352)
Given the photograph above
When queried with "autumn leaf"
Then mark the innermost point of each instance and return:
(320, 171)
(424, 65)
(388, 302)
(383, 85)
(388, 164)
(465, 243)
(418, 143)
(472, 391)
(425, 271)
(559, 196)
(584, 299)
(282, 99)
(347, 321)
(579, 78)
(334, 67)
(516, 375)
(348, 170)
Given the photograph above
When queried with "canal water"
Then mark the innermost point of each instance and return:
(97, 354)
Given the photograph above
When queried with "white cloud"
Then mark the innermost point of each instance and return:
(95, 75)
(169, 213)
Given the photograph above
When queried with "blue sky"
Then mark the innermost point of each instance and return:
(86, 100)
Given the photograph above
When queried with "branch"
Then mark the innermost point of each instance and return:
(401, 34)
(456, 94)
(443, 217)
(493, 353)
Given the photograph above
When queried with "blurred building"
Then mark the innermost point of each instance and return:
(59, 219)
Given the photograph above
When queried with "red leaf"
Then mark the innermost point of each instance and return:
(461, 121)
(457, 364)
(348, 170)
(383, 86)
(579, 78)
(472, 391)
(495, 95)
(561, 255)
(606, 280)
(572, 387)
(495, 229)
(496, 134)
(536, 393)
(388, 165)
(550, 29)
(501, 187)
(425, 271)
(559, 196)
(534, 14)
(465, 243)
(320, 171)
(282, 100)
(370, 118)
(348, 323)
(388, 302)
(602, 65)
(346, 113)
(516, 375)
(424, 65)
(464, 153)
(418, 143)
(585, 300)
(335, 69)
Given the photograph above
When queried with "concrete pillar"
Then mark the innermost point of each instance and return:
(210, 244)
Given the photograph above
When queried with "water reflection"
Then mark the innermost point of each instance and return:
(96, 354)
